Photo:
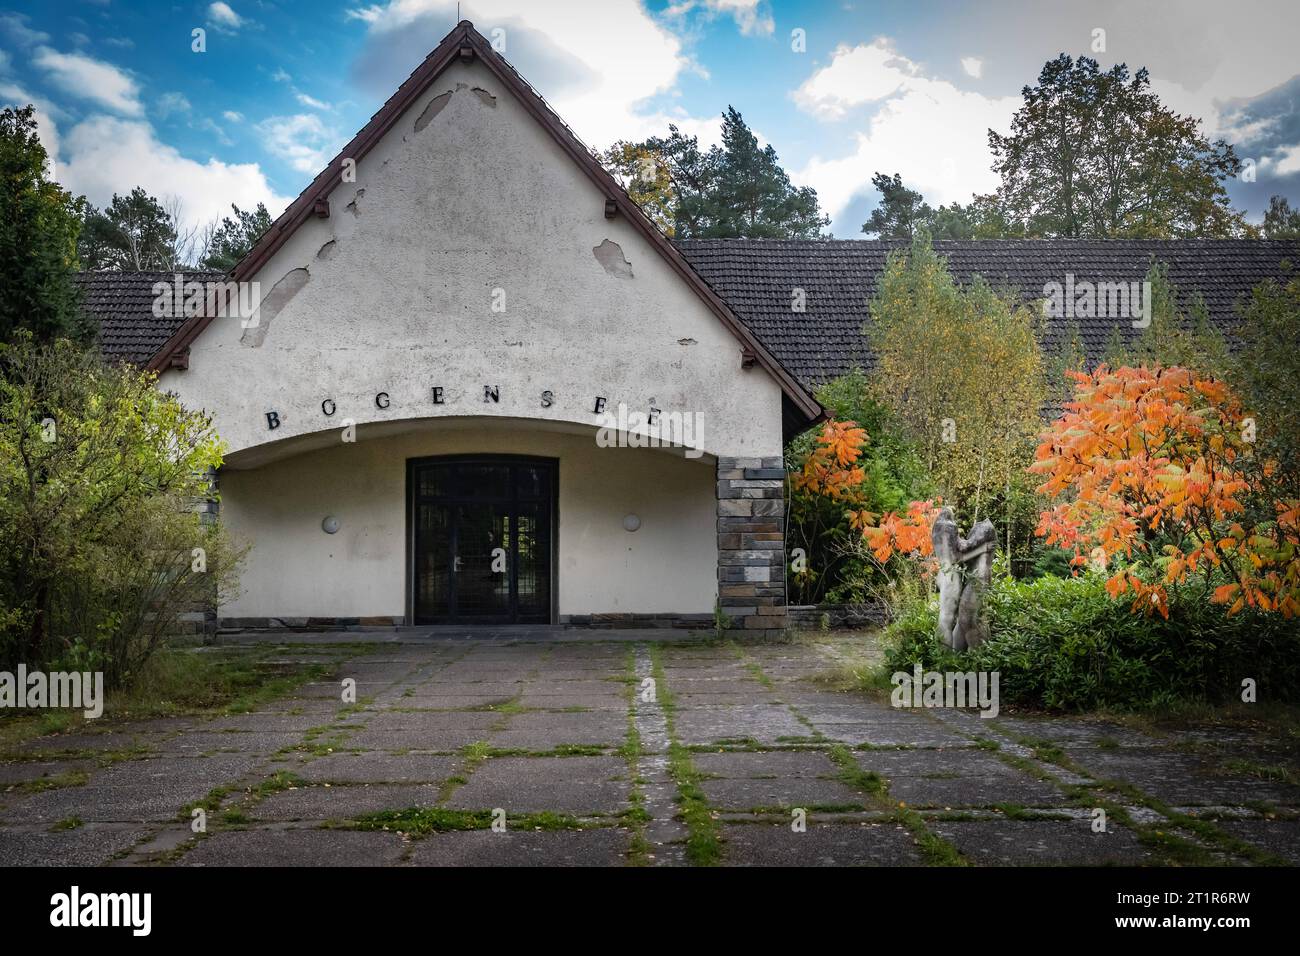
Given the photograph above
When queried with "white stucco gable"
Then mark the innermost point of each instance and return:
(471, 269)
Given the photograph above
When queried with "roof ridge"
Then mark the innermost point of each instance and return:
(464, 43)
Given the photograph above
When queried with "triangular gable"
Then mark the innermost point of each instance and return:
(464, 43)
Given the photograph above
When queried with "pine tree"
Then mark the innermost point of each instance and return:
(735, 190)
(39, 222)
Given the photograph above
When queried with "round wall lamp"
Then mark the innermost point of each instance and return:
(631, 522)
(330, 524)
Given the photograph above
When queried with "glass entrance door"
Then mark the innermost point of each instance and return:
(481, 542)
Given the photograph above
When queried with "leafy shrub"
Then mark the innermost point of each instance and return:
(840, 569)
(99, 540)
(1064, 644)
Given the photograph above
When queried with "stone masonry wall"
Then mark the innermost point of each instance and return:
(201, 619)
(751, 546)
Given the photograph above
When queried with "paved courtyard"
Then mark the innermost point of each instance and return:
(629, 752)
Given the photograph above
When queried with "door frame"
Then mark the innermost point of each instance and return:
(491, 459)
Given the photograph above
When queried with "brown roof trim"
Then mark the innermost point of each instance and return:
(449, 50)
(190, 330)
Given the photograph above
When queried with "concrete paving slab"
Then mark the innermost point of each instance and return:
(1041, 843)
(605, 846)
(266, 846)
(765, 844)
(343, 802)
(575, 785)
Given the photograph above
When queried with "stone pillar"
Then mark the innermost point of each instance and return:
(202, 618)
(751, 546)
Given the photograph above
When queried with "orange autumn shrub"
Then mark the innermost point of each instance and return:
(907, 534)
(831, 468)
(1156, 468)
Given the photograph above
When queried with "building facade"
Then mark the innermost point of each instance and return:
(480, 387)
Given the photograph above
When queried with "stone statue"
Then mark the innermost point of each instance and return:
(965, 570)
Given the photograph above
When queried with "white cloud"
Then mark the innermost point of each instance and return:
(602, 66)
(232, 116)
(15, 25)
(371, 14)
(5, 62)
(106, 154)
(752, 16)
(856, 75)
(172, 102)
(310, 101)
(222, 16)
(973, 66)
(280, 76)
(928, 130)
(301, 140)
(91, 79)
(215, 128)
(1286, 162)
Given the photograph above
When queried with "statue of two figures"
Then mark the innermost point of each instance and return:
(965, 570)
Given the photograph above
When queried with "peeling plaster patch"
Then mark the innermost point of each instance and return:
(327, 251)
(610, 255)
(436, 106)
(485, 96)
(352, 207)
(279, 296)
(685, 341)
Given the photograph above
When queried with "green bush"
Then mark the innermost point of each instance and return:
(101, 550)
(1063, 644)
(840, 569)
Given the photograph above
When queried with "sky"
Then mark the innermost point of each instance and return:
(841, 90)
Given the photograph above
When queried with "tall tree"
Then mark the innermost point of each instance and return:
(734, 190)
(900, 212)
(646, 178)
(961, 370)
(1095, 154)
(133, 232)
(754, 197)
(39, 222)
(1180, 334)
(1265, 371)
(232, 239)
(954, 222)
(1280, 220)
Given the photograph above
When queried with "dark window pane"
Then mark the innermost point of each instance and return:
(483, 481)
(432, 561)
(482, 562)
(534, 559)
(533, 481)
(434, 481)
(482, 548)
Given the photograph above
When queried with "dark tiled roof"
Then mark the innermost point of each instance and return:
(122, 304)
(756, 278)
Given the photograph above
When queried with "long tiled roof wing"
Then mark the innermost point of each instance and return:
(757, 279)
